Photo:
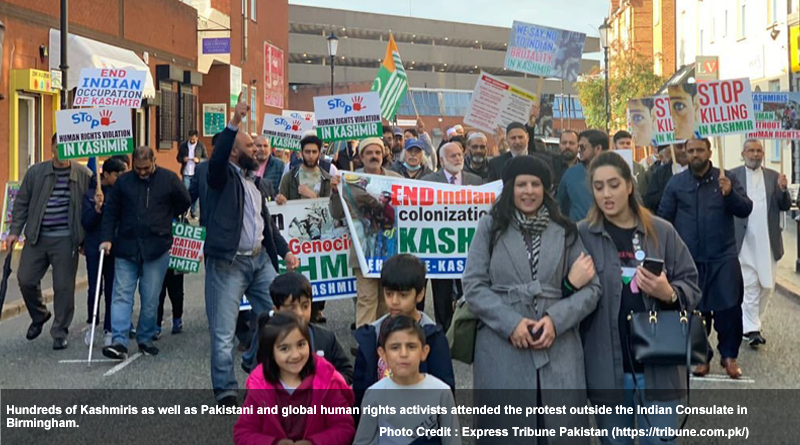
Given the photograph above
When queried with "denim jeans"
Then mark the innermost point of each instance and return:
(226, 282)
(150, 276)
(187, 182)
(609, 421)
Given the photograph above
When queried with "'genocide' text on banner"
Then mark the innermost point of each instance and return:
(284, 133)
(305, 115)
(777, 116)
(496, 102)
(435, 222)
(320, 243)
(187, 247)
(650, 121)
(348, 116)
(88, 132)
(711, 109)
(543, 51)
(110, 87)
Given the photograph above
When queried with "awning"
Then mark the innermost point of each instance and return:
(88, 53)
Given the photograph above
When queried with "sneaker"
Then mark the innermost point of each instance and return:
(755, 340)
(148, 349)
(107, 337)
(116, 352)
(177, 325)
(157, 335)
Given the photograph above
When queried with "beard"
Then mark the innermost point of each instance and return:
(753, 164)
(568, 156)
(478, 159)
(453, 169)
(310, 164)
(698, 166)
(247, 162)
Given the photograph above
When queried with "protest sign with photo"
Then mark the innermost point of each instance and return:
(348, 116)
(110, 87)
(543, 124)
(187, 247)
(284, 133)
(543, 51)
(10, 195)
(435, 222)
(321, 243)
(776, 116)
(304, 115)
(497, 103)
(650, 121)
(89, 132)
(711, 109)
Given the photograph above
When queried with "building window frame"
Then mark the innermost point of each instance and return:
(166, 122)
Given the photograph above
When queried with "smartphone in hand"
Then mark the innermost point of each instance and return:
(653, 265)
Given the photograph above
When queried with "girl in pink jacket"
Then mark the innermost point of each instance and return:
(289, 377)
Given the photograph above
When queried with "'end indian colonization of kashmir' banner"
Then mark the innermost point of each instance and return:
(110, 87)
(321, 243)
(497, 103)
(650, 121)
(711, 109)
(187, 247)
(777, 116)
(284, 133)
(88, 132)
(435, 222)
(348, 116)
(543, 51)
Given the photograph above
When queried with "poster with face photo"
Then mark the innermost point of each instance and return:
(710, 109)
(650, 121)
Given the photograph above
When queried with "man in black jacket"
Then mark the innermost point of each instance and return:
(138, 215)
(190, 154)
(661, 176)
(241, 250)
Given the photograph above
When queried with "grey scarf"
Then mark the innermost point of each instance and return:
(532, 229)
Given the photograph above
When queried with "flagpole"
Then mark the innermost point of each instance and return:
(413, 103)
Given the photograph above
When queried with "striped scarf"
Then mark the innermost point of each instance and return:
(532, 229)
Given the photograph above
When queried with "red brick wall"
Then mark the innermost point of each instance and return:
(170, 25)
(668, 55)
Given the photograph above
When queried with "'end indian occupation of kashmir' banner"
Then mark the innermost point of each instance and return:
(348, 116)
(88, 132)
(187, 247)
(777, 116)
(435, 222)
(321, 243)
(711, 109)
(497, 103)
(110, 87)
(543, 51)
(650, 121)
(284, 133)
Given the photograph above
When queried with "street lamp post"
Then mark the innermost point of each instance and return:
(333, 44)
(604, 43)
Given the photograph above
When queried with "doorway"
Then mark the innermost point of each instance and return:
(29, 130)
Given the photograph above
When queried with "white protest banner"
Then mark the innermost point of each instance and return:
(236, 86)
(321, 243)
(435, 222)
(543, 51)
(348, 116)
(187, 247)
(88, 132)
(711, 109)
(650, 121)
(110, 87)
(305, 115)
(776, 116)
(284, 133)
(496, 102)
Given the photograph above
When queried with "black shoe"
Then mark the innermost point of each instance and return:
(116, 352)
(148, 349)
(755, 340)
(59, 344)
(228, 401)
(194, 215)
(352, 326)
(35, 329)
(246, 368)
(319, 318)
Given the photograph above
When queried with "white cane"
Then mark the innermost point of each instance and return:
(96, 303)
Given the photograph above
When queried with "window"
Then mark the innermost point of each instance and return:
(742, 21)
(702, 41)
(567, 107)
(725, 28)
(427, 104)
(188, 113)
(456, 103)
(773, 12)
(253, 14)
(656, 12)
(166, 116)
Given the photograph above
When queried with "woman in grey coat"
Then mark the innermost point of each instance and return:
(619, 234)
(515, 281)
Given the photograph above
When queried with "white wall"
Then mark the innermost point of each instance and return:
(743, 52)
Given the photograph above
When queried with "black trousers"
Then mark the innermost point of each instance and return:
(173, 283)
(723, 287)
(445, 294)
(728, 324)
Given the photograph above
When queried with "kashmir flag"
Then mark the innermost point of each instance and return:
(391, 82)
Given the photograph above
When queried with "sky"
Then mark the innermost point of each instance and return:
(580, 15)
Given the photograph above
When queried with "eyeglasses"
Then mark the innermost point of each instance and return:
(583, 147)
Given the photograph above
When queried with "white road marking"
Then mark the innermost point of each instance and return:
(95, 360)
(119, 367)
(721, 378)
